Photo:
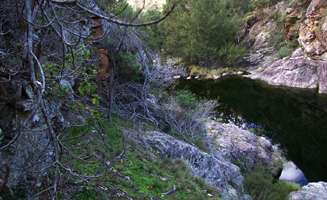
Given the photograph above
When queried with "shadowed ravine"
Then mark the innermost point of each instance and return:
(296, 119)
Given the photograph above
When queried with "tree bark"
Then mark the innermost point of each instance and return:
(29, 38)
(105, 67)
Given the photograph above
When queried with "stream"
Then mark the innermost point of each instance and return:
(294, 118)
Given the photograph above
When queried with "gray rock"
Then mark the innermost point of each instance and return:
(66, 86)
(215, 170)
(291, 173)
(299, 72)
(322, 73)
(312, 191)
(243, 147)
(314, 6)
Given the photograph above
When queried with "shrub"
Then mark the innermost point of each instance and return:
(260, 185)
(231, 53)
(129, 67)
(87, 88)
(263, 3)
(284, 52)
(185, 98)
(87, 194)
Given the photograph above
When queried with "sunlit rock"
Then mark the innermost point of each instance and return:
(292, 173)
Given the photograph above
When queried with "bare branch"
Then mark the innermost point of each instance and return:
(114, 19)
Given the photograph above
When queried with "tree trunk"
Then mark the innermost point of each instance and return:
(105, 67)
(29, 38)
(105, 71)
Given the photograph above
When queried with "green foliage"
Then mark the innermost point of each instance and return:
(261, 186)
(147, 178)
(129, 67)
(186, 98)
(197, 30)
(129, 61)
(87, 168)
(284, 52)
(83, 53)
(119, 8)
(87, 88)
(263, 3)
(152, 178)
(89, 137)
(155, 36)
(51, 69)
(231, 53)
(87, 194)
(279, 18)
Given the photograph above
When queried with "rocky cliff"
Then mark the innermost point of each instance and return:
(288, 44)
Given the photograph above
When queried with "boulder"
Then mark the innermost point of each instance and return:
(312, 191)
(243, 147)
(291, 173)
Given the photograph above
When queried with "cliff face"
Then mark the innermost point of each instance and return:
(288, 44)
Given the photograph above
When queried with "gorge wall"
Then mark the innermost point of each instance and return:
(288, 44)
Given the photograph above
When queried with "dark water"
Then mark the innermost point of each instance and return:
(294, 118)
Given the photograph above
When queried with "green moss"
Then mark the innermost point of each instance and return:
(88, 169)
(139, 176)
(153, 178)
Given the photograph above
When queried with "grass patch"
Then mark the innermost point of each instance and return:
(137, 175)
(261, 186)
(153, 178)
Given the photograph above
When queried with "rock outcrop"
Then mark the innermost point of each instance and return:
(312, 191)
(304, 22)
(243, 147)
(26, 150)
(215, 170)
(230, 145)
(295, 71)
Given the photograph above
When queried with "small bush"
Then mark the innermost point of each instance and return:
(87, 88)
(284, 52)
(263, 3)
(231, 53)
(87, 194)
(129, 67)
(185, 98)
(261, 186)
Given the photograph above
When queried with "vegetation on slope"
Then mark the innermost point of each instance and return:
(136, 174)
(261, 186)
